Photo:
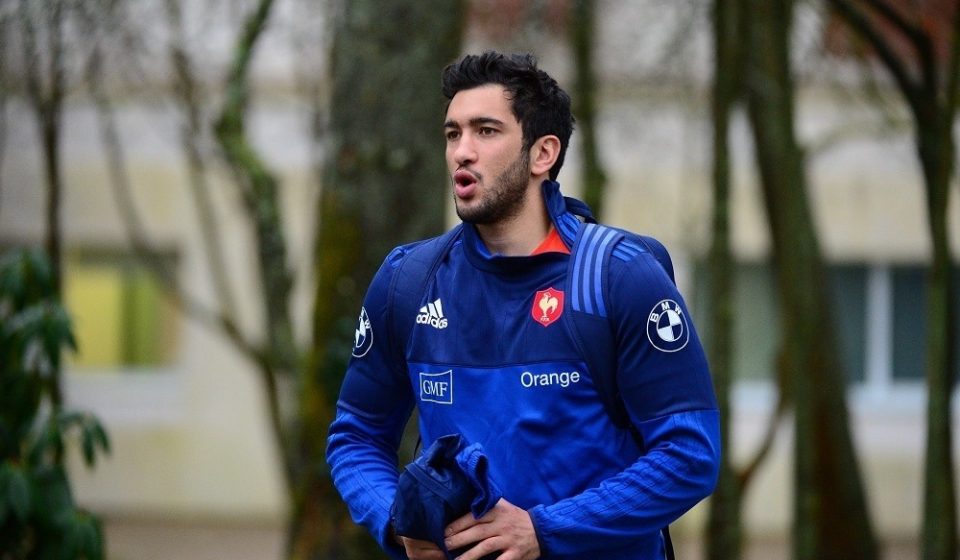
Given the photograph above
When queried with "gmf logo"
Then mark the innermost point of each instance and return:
(437, 387)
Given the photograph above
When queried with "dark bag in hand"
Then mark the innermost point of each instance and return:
(447, 481)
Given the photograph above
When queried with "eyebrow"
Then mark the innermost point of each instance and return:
(474, 122)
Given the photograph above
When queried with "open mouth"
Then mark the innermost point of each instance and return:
(465, 182)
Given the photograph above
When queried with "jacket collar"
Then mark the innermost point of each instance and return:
(563, 220)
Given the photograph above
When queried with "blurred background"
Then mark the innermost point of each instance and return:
(215, 182)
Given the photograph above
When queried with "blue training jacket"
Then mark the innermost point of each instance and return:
(492, 357)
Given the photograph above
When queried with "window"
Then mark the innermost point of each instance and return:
(909, 328)
(879, 318)
(848, 295)
(122, 317)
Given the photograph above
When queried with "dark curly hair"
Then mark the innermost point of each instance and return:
(537, 101)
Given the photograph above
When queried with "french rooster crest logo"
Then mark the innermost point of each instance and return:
(547, 306)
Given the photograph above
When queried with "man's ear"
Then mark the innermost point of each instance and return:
(543, 154)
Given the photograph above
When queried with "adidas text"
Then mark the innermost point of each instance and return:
(432, 314)
(424, 319)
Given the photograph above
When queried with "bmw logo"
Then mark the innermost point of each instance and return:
(362, 336)
(667, 327)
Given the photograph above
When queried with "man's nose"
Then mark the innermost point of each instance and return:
(465, 151)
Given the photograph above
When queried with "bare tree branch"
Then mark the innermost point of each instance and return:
(918, 39)
(237, 91)
(186, 91)
(47, 103)
(258, 187)
(133, 222)
(908, 28)
(4, 93)
(745, 475)
(858, 20)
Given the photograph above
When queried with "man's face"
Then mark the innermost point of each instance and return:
(485, 155)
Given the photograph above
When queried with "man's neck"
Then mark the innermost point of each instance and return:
(520, 235)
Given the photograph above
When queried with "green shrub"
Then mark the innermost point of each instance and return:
(38, 516)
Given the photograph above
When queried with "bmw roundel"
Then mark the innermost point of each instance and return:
(667, 327)
(363, 335)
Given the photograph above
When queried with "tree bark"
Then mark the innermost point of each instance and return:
(582, 32)
(189, 100)
(385, 184)
(936, 147)
(939, 537)
(830, 513)
(725, 527)
(5, 87)
(47, 104)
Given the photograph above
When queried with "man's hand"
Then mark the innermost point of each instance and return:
(506, 528)
(421, 550)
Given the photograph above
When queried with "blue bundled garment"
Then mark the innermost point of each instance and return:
(448, 480)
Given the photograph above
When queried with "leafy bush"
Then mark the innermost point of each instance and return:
(38, 516)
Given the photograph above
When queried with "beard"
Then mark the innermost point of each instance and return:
(504, 200)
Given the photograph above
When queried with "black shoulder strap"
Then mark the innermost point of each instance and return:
(416, 267)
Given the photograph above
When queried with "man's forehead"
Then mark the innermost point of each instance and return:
(489, 101)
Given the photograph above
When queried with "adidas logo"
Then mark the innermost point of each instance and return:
(432, 314)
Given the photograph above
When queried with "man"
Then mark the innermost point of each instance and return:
(491, 354)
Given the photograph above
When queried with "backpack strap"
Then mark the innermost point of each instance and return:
(587, 281)
(579, 208)
(592, 332)
(657, 249)
(418, 264)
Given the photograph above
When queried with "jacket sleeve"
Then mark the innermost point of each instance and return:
(665, 384)
(374, 405)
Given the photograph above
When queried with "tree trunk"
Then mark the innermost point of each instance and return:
(830, 512)
(49, 126)
(936, 147)
(47, 104)
(5, 87)
(725, 528)
(385, 184)
(582, 32)
(939, 539)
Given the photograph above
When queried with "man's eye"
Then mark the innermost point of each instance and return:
(452, 134)
(486, 131)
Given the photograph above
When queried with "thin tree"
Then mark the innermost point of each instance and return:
(830, 513)
(5, 25)
(45, 83)
(724, 530)
(187, 92)
(583, 23)
(45, 45)
(725, 526)
(258, 189)
(930, 89)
